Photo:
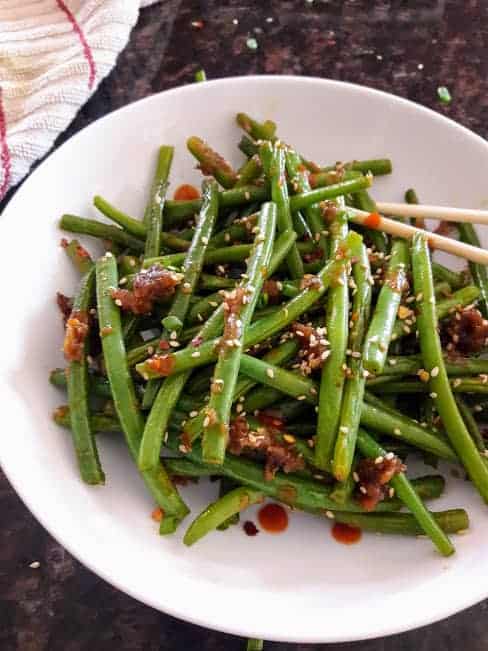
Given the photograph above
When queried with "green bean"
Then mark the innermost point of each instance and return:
(300, 182)
(171, 389)
(354, 386)
(472, 426)
(98, 422)
(236, 253)
(220, 511)
(205, 306)
(226, 485)
(374, 166)
(249, 172)
(406, 492)
(83, 440)
(430, 347)
(456, 279)
(411, 196)
(255, 645)
(83, 226)
(129, 224)
(211, 283)
(124, 396)
(455, 367)
(299, 492)
(384, 316)
(257, 130)
(332, 378)
(211, 162)
(78, 255)
(248, 146)
(397, 425)
(473, 385)
(452, 521)
(444, 308)
(273, 162)
(215, 433)
(343, 490)
(266, 327)
(176, 211)
(479, 273)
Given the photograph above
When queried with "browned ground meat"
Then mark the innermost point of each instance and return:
(310, 281)
(279, 454)
(374, 475)
(65, 305)
(314, 347)
(162, 364)
(466, 332)
(329, 211)
(149, 286)
(75, 335)
(273, 290)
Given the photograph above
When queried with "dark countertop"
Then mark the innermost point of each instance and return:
(61, 606)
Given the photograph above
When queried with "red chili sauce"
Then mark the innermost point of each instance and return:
(273, 518)
(186, 192)
(346, 534)
(372, 220)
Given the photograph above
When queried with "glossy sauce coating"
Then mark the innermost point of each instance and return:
(186, 192)
(346, 534)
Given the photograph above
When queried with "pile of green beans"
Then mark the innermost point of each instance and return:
(290, 354)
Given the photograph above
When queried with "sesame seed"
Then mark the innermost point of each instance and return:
(391, 492)
(392, 362)
(355, 476)
(344, 430)
(379, 460)
(434, 372)
(478, 408)
(182, 448)
(456, 382)
(35, 565)
(289, 438)
(174, 344)
(239, 407)
(329, 515)
(389, 456)
(206, 421)
(397, 431)
(197, 353)
(363, 490)
(193, 413)
(433, 394)
(301, 397)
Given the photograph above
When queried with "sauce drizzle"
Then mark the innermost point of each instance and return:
(372, 220)
(273, 518)
(186, 192)
(346, 534)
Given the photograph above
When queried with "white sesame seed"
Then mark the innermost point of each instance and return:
(433, 394)
(35, 565)
(355, 476)
(329, 515)
(391, 492)
(197, 353)
(389, 456)
(397, 431)
(270, 372)
(301, 397)
(193, 413)
(434, 372)
(478, 408)
(363, 490)
(379, 460)
(343, 429)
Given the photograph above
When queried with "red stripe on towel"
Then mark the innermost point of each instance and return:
(84, 43)
(5, 159)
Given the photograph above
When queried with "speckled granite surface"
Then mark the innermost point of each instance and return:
(408, 48)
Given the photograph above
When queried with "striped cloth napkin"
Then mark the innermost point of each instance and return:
(53, 55)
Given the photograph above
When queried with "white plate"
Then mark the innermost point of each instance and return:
(299, 586)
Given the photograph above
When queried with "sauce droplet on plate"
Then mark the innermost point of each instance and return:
(186, 192)
(273, 518)
(250, 528)
(346, 534)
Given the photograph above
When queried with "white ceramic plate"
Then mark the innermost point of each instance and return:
(298, 586)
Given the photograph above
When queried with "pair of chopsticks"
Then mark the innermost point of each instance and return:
(439, 242)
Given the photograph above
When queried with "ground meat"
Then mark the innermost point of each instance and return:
(65, 304)
(81, 252)
(466, 332)
(76, 332)
(162, 364)
(314, 347)
(233, 302)
(329, 211)
(214, 162)
(318, 254)
(278, 453)
(149, 285)
(374, 475)
(272, 288)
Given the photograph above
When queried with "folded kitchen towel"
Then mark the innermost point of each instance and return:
(53, 54)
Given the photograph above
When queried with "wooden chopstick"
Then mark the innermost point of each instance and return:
(439, 242)
(443, 213)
